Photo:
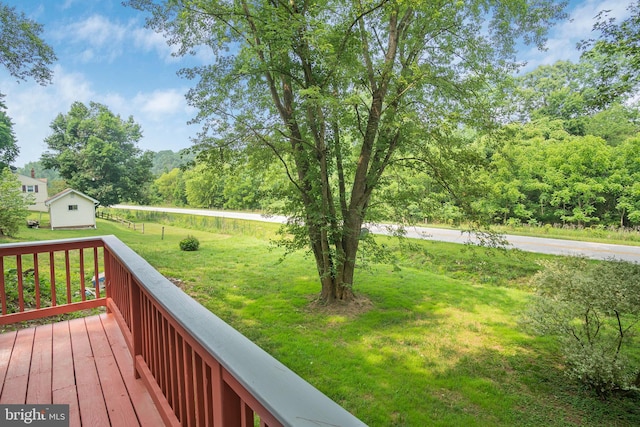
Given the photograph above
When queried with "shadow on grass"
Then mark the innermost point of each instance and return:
(431, 351)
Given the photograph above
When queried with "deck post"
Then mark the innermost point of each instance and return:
(226, 403)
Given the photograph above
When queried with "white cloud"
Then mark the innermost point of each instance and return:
(103, 39)
(69, 87)
(99, 38)
(33, 107)
(162, 114)
(149, 41)
(161, 103)
(106, 56)
(67, 4)
(97, 30)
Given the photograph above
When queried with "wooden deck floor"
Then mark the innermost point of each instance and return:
(82, 362)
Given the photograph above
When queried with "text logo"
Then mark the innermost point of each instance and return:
(34, 415)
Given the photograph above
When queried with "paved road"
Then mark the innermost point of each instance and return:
(529, 244)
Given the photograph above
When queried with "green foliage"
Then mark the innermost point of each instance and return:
(335, 93)
(22, 52)
(29, 290)
(594, 310)
(95, 152)
(541, 174)
(617, 51)
(615, 124)
(170, 188)
(8, 147)
(204, 187)
(40, 172)
(190, 243)
(226, 184)
(555, 91)
(13, 204)
(165, 161)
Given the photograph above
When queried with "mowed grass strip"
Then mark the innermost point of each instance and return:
(433, 340)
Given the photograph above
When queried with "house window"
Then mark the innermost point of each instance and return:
(73, 207)
(30, 189)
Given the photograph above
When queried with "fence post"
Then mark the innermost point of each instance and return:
(162, 238)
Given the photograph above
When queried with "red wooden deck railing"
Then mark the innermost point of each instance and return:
(198, 369)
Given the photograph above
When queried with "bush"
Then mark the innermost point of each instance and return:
(189, 244)
(594, 310)
(29, 290)
(13, 205)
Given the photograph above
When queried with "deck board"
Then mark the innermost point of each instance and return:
(119, 406)
(63, 375)
(82, 362)
(63, 380)
(6, 348)
(17, 377)
(148, 414)
(39, 387)
(93, 411)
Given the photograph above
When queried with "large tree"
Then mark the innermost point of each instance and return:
(339, 90)
(95, 151)
(24, 54)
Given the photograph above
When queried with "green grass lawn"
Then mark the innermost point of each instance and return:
(434, 339)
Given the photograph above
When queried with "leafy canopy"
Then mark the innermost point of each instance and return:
(618, 52)
(95, 152)
(22, 52)
(8, 147)
(338, 91)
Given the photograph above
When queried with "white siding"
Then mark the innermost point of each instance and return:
(62, 216)
(37, 189)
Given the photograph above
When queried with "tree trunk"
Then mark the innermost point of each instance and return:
(337, 268)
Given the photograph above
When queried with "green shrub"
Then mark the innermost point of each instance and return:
(29, 290)
(594, 311)
(189, 244)
(13, 205)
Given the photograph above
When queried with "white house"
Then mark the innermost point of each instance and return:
(37, 188)
(72, 209)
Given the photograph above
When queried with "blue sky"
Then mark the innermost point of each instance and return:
(106, 55)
